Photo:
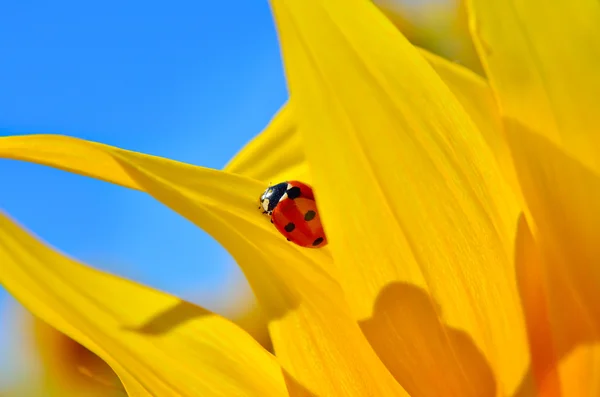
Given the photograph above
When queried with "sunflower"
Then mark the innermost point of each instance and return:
(461, 213)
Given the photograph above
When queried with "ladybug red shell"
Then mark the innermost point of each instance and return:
(293, 210)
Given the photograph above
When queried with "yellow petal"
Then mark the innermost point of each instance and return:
(559, 276)
(68, 366)
(420, 221)
(580, 371)
(476, 98)
(276, 154)
(158, 344)
(542, 59)
(294, 286)
(253, 320)
(438, 26)
(558, 367)
(541, 377)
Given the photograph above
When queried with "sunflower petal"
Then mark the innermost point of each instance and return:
(276, 154)
(557, 369)
(294, 286)
(580, 371)
(542, 59)
(476, 98)
(415, 208)
(121, 322)
(69, 366)
(559, 277)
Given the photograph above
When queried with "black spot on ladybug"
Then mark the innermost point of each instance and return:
(271, 220)
(310, 215)
(294, 192)
(289, 227)
(288, 239)
(317, 241)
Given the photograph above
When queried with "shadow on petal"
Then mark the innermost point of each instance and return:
(170, 318)
(556, 262)
(550, 343)
(295, 389)
(529, 271)
(432, 358)
(182, 312)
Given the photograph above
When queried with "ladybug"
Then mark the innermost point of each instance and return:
(293, 210)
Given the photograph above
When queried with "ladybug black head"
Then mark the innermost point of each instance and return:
(270, 198)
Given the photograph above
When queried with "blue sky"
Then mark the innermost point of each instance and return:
(189, 80)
